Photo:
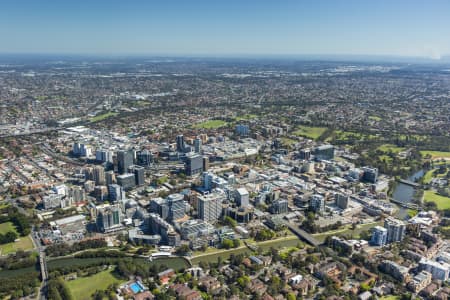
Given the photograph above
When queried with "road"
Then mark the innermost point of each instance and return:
(42, 295)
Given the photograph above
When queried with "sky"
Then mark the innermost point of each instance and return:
(227, 27)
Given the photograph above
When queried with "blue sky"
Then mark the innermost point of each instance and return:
(226, 27)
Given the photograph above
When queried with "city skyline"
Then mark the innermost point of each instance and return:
(201, 28)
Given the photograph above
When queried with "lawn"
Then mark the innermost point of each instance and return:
(6, 227)
(310, 132)
(390, 148)
(287, 141)
(436, 154)
(103, 116)
(211, 124)
(375, 118)
(428, 176)
(441, 201)
(391, 297)
(84, 287)
(24, 243)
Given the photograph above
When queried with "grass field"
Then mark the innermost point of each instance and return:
(6, 227)
(441, 201)
(390, 148)
(310, 132)
(436, 154)
(103, 116)
(375, 118)
(211, 124)
(24, 243)
(287, 141)
(392, 297)
(346, 230)
(84, 287)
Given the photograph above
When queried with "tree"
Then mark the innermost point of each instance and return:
(183, 250)
(236, 243)
(227, 244)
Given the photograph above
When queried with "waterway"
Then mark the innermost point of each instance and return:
(405, 193)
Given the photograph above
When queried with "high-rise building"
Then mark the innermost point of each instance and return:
(144, 158)
(324, 152)
(102, 155)
(205, 163)
(198, 145)
(194, 164)
(109, 218)
(209, 206)
(139, 174)
(110, 177)
(317, 203)
(207, 179)
(115, 192)
(279, 206)
(395, 230)
(77, 194)
(305, 154)
(370, 174)
(177, 206)
(438, 270)
(99, 175)
(242, 197)
(242, 130)
(127, 181)
(100, 192)
(124, 160)
(180, 143)
(379, 236)
(341, 200)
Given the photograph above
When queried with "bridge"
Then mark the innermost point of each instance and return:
(303, 235)
(403, 204)
(408, 182)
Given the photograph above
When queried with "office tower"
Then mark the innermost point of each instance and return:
(127, 181)
(324, 152)
(395, 230)
(77, 194)
(242, 130)
(100, 192)
(110, 177)
(102, 155)
(198, 145)
(209, 206)
(124, 160)
(194, 164)
(194, 228)
(305, 154)
(88, 173)
(207, 179)
(52, 201)
(341, 200)
(370, 174)
(180, 143)
(109, 218)
(242, 197)
(160, 207)
(379, 236)
(144, 158)
(115, 192)
(205, 163)
(279, 206)
(99, 175)
(177, 206)
(139, 174)
(317, 203)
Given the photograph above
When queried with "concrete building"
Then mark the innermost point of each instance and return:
(379, 236)
(181, 146)
(420, 281)
(279, 206)
(176, 207)
(198, 146)
(125, 160)
(115, 193)
(370, 174)
(139, 174)
(317, 203)
(99, 175)
(242, 130)
(144, 158)
(341, 200)
(395, 230)
(209, 206)
(109, 218)
(242, 197)
(324, 152)
(438, 270)
(127, 181)
(194, 164)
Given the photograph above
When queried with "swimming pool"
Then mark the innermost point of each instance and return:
(135, 287)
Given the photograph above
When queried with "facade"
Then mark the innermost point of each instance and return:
(109, 218)
(144, 158)
(209, 206)
(181, 146)
(124, 160)
(99, 175)
(305, 154)
(420, 281)
(115, 192)
(176, 207)
(194, 164)
(102, 155)
(127, 181)
(242, 130)
(395, 230)
(341, 200)
(439, 271)
(317, 203)
(110, 177)
(379, 236)
(139, 174)
(324, 152)
(198, 145)
(279, 206)
(194, 228)
(370, 174)
(242, 197)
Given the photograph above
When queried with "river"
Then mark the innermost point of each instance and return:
(405, 193)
